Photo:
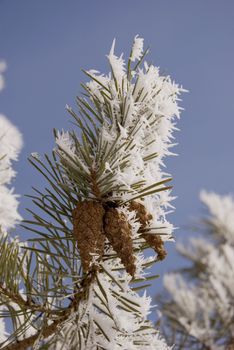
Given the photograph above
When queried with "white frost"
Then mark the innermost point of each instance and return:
(203, 306)
(140, 106)
(137, 48)
(10, 145)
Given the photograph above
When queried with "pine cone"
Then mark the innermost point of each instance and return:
(88, 231)
(154, 241)
(141, 213)
(119, 233)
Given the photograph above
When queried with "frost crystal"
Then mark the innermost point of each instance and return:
(221, 209)
(115, 162)
(202, 308)
(10, 146)
(9, 215)
(137, 49)
(119, 321)
(11, 139)
(135, 112)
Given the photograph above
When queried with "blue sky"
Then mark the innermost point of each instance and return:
(47, 42)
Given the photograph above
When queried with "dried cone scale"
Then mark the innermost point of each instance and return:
(141, 213)
(88, 231)
(119, 233)
(154, 241)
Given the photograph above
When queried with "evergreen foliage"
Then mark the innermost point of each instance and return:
(199, 310)
(74, 285)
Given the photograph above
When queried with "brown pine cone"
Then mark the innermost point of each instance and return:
(119, 233)
(154, 241)
(141, 213)
(88, 231)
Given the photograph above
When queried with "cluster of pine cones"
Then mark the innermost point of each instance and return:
(93, 222)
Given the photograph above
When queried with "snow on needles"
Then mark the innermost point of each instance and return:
(10, 146)
(139, 109)
(124, 328)
(221, 209)
(203, 305)
(132, 114)
(137, 49)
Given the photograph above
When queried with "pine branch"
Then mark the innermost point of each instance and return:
(82, 267)
(46, 332)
